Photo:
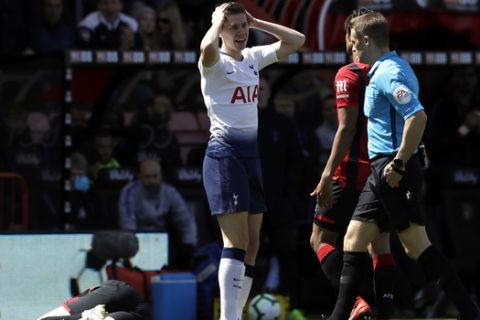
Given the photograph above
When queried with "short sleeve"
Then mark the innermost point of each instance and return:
(264, 55)
(347, 87)
(401, 96)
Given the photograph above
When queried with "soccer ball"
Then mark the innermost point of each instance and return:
(264, 307)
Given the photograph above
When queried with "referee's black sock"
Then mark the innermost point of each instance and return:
(331, 262)
(437, 268)
(384, 277)
(351, 280)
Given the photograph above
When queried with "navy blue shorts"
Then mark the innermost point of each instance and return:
(392, 208)
(233, 185)
(338, 216)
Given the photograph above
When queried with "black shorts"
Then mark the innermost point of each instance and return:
(390, 207)
(338, 216)
(121, 301)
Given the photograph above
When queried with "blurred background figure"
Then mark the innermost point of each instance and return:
(326, 130)
(150, 204)
(171, 29)
(310, 150)
(157, 141)
(146, 18)
(52, 33)
(35, 155)
(281, 160)
(454, 122)
(108, 27)
(83, 215)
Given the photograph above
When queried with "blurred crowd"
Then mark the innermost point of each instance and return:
(57, 25)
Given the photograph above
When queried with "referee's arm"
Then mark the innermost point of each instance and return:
(412, 135)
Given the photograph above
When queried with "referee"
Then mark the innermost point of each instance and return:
(391, 197)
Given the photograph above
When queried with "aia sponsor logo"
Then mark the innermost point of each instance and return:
(246, 94)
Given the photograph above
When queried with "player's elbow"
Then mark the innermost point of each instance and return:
(346, 130)
(421, 117)
(417, 118)
(299, 41)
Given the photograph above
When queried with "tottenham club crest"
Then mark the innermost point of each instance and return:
(235, 199)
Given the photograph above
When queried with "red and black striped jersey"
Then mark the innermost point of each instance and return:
(349, 87)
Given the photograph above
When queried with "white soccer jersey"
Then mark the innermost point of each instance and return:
(230, 92)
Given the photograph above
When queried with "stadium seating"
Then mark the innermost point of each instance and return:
(190, 134)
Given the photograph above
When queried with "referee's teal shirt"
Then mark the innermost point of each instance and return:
(391, 97)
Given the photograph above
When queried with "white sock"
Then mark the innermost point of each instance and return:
(230, 279)
(243, 297)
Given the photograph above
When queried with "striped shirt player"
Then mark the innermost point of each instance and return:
(340, 186)
(392, 198)
(352, 172)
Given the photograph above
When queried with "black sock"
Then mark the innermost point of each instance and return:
(331, 262)
(437, 268)
(384, 278)
(353, 274)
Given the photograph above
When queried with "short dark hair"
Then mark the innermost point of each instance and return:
(372, 24)
(234, 8)
(355, 13)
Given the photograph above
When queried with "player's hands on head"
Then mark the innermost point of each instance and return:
(251, 20)
(218, 16)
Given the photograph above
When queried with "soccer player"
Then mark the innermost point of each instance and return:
(392, 194)
(111, 300)
(342, 180)
(231, 169)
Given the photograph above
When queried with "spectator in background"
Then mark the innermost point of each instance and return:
(156, 139)
(52, 34)
(108, 27)
(100, 154)
(310, 153)
(454, 123)
(327, 129)
(453, 142)
(34, 156)
(13, 25)
(146, 18)
(83, 211)
(151, 204)
(171, 32)
(281, 160)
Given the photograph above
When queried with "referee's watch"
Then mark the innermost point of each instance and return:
(399, 166)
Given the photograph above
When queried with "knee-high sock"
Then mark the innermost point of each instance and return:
(437, 268)
(353, 274)
(247, 286)
(384, 278)
(331, 262)
(230, 279)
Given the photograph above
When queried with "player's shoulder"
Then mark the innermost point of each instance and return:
(353, 70)
(354, 67)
